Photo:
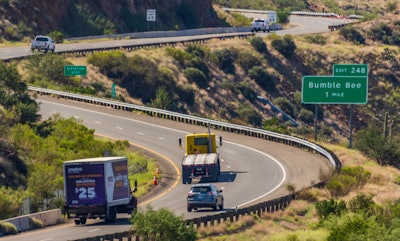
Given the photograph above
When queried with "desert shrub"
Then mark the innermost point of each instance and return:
(282, 16)
(162, 99)
(258, 44)
(247, 60)
(57, 36)
(109, 63)
(274, 125)
(306, 115)
(362, 203)
(284, 45)
(247, 91)
(285, 105)
(197, 50)
(249, 115)
(352, 34)
(316, 39)
(7, 228)
(98, 86)
(177, 54)
(261, 77)
(186, 94)
(347, 180)
(197, 62)
(353, 226)
(373, 144)
(161, 224)
(224, 60)
(329, 207)
(197, 76)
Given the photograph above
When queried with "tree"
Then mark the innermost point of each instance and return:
(160, 225)
(162, 100)
(14, 95)
(373, 144)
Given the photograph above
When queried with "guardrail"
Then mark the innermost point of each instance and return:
(231, 215)
(219, 125)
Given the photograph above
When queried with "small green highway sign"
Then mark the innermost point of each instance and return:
(72, 70)
(350, 70)
(334, 90)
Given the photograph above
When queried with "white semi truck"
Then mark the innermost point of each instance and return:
(97, 188)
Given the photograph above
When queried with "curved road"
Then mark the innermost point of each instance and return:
(249, 174)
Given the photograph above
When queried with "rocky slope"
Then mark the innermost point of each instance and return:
(94, 17)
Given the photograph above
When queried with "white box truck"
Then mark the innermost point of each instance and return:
(97, 188)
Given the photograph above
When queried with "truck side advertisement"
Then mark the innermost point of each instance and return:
(85, 184)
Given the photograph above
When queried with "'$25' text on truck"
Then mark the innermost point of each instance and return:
(97, 188)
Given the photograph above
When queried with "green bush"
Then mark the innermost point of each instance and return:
(352, 34)
(57, 36)
(329, 207)
(177, 54)
(284, 45)
(260, 76)
(316, 39)
(198, 63)
(7, 228)
(347, 180)
(247, 61)
(186, 94)
(224, 60)
(306, 115)
(249, 115)
(194, 75)
(362, 203)
(197, 50)
(258, 44)
(161, 224)
(247, 91)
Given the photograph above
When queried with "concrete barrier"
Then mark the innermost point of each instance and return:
(24, 223)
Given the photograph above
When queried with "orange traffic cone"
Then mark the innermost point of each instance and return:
(155, 181)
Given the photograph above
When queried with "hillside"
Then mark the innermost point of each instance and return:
(231, 95)
(22, 19)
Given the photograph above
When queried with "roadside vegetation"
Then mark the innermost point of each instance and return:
(222, 80)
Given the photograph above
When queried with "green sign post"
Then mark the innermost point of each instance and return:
(113, 92)
(334, 90)
(72, 70)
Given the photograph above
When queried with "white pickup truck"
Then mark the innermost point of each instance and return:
(44, 43)
(259, 25)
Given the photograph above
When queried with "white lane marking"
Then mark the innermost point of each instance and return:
(140, 133)
(94, 230)
(119, 128)
(167, 128)
(98, 122)
(228, 166)
(161, 138)
(273, 159)
(47, 239)
(76, 117)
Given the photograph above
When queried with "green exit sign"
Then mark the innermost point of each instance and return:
(73, 70)
(350, 70)
(334, 90)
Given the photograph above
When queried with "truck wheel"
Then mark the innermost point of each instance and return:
(112, 216)
(189, 209)
(215, 206)
(83, 221)
(77, 221)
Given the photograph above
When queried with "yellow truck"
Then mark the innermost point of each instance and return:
(201, 160)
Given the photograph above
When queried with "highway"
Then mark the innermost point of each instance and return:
(252, 169)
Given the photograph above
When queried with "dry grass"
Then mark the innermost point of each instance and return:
(296, 221)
